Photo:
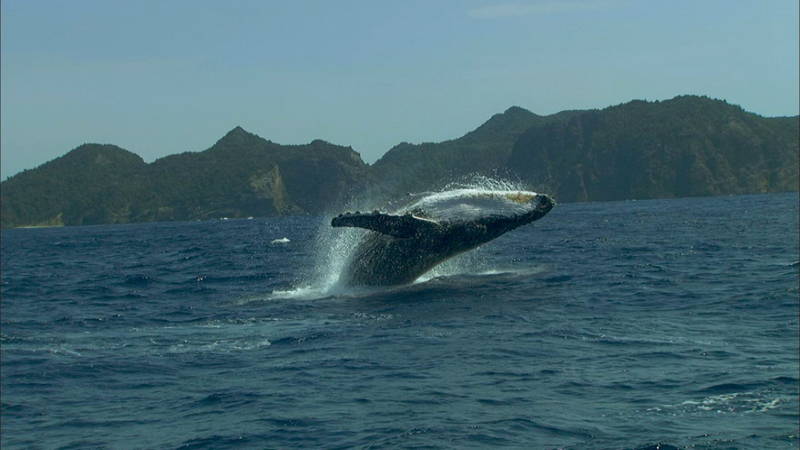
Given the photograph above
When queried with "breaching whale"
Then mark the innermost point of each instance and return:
(400, 247)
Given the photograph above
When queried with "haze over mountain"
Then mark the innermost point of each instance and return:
(686, 146)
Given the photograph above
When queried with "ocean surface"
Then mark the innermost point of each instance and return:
(619, 325)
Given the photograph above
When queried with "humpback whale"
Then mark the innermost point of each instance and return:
(400, 247)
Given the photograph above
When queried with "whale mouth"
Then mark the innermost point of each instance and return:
(544, 202)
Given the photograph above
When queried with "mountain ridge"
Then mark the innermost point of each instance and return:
(685, 146)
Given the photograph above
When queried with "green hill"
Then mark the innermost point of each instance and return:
(485, 150)
(241, 175)
(686, 146)
(245, 175)
(91, 184)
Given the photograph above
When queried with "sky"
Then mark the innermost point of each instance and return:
(161, 77)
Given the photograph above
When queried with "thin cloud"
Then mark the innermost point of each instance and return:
(524, 9)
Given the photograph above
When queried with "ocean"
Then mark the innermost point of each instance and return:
(611, 325)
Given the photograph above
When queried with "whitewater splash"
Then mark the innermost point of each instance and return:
(333, 247)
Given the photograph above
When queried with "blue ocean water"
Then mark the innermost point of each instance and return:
(604, 325)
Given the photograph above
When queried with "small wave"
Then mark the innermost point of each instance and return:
(138, 280)
(474, 265)
(725, 388)
(525, 424)
(338, 291)
(57, 350)
(734, 402)
(232, 278)
(645, 341)
(786, 380)
(16, 410)
(658, 446)
(216, 441)
(558, 279)
(111, 423)
(219, 346)
(293, 422)
(228, 399)
(367, 317)
(84, 443)
(301, 293)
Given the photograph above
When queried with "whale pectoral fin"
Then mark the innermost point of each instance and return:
(393, 225)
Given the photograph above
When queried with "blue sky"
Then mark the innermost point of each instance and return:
(162, 77)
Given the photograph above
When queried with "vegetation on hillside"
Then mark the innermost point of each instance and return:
(686, 146)
(241, 175)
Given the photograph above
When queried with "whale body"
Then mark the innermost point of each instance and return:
(400, 247)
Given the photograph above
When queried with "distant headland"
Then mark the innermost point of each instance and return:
(685, 146)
